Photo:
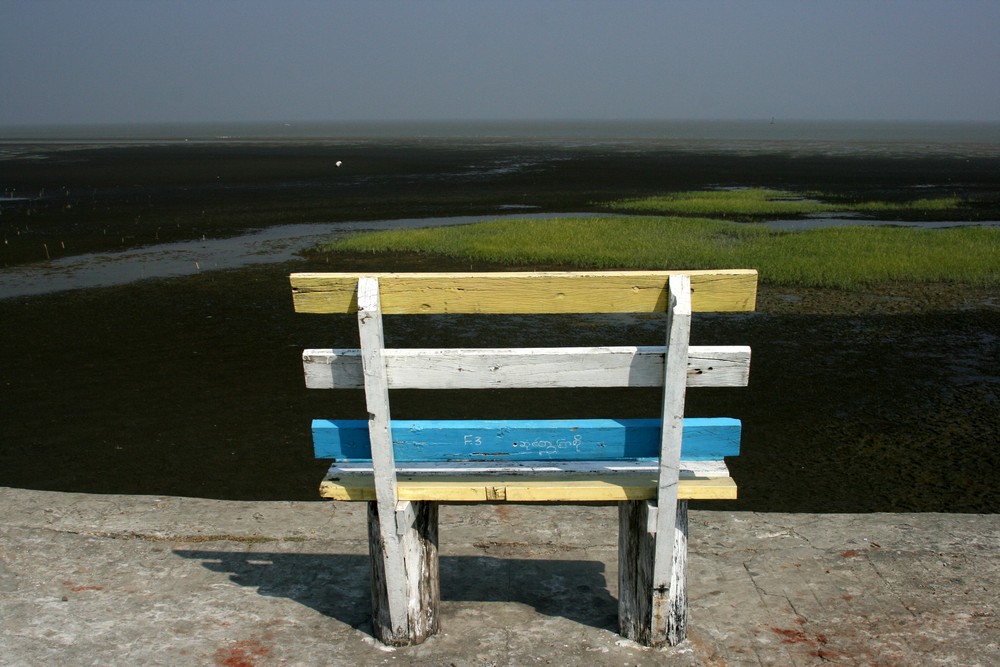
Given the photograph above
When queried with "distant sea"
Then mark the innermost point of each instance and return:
(763, 130)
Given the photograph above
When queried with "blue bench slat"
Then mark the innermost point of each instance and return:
(705, 439)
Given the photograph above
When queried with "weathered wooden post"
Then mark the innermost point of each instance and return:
(402, 537)
(636, 552)
(417, 544)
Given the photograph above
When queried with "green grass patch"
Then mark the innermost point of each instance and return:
(749, 204)
(761, 204)
(844, 257)
(915, 206)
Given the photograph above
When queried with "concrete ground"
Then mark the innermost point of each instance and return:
(143, 580)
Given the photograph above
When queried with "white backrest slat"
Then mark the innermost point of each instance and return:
(543, 367)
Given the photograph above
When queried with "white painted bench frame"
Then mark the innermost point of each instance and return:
(403, 533)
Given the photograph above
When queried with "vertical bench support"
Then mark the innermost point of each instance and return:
(636, 552)
(652, 542)
(402, 537)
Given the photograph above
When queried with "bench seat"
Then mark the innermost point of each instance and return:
(564, 460)
(701, 480)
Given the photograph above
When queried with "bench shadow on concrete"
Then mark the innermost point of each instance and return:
(337, 585)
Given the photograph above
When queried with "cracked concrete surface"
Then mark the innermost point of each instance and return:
(122, 580)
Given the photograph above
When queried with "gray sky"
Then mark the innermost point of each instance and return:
(113, 61)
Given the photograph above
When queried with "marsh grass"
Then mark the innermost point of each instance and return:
(740, 204)
(928, 205)
(843, 257)
(761, 204)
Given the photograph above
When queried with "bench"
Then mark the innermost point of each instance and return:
(405, 468)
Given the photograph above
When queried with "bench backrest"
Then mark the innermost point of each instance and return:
(387, 443)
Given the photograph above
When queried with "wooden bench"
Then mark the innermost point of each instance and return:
(404, 469)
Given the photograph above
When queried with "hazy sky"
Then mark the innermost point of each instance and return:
(97, 61)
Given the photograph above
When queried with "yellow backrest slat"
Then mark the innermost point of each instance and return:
(525, 292)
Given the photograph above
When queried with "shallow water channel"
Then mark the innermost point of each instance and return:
(272, 245)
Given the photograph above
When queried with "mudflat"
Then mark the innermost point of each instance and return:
(75, 198)
(883, 400)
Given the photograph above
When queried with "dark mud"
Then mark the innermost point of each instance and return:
(888, 401)
(885, 400)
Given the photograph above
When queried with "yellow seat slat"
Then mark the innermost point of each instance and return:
(543, 488)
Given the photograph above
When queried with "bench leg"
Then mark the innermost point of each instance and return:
(417, 532)
(640, 607)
